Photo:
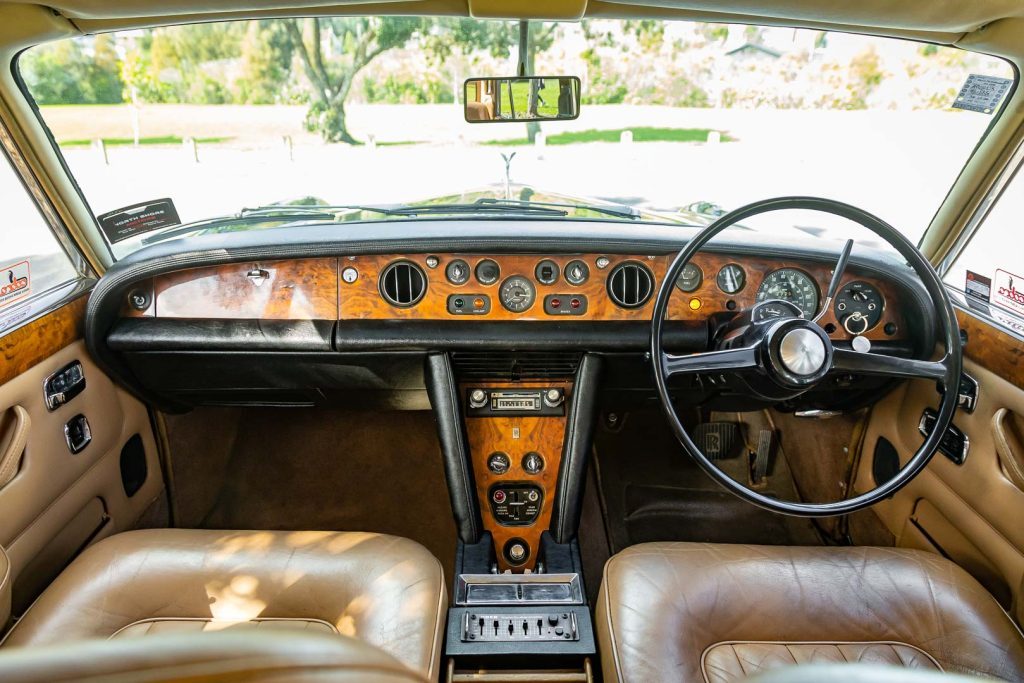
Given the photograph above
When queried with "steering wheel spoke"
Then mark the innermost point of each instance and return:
(867, 363)
(726, 360)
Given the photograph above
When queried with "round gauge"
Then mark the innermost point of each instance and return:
(790, 284)
(775, 309)
(546, 272)
(487, 272)
(859, 306)
(457, 272)
(576, 272)
(731, 278)
(691, 278)
(517, 294)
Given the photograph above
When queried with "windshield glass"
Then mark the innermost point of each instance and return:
(678, 122)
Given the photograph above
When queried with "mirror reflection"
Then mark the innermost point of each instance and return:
(534, 98)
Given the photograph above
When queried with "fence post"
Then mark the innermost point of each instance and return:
(101, 148)
(191, 148)
(288, 146)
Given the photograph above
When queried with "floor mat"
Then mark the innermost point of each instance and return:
(652, 491)
(326, 469)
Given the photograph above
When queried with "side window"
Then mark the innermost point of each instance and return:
(32, 261)
(990, 269)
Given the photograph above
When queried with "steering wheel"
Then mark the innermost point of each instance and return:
(779, 359)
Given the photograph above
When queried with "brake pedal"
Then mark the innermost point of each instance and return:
(759, 469)
(718, 440)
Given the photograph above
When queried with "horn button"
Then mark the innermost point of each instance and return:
(799, 352)
(802, 352)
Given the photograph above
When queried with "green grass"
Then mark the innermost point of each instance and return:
(640, 134)
(160, 140)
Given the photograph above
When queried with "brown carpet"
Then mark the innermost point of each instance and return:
(322, 469)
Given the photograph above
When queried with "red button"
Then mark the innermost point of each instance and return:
(499, 496)
(556, 303)
(575, 303)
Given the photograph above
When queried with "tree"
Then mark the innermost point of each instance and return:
(84, 71)
(358, 41)
(266, 63)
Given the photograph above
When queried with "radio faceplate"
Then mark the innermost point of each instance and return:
(541, 401)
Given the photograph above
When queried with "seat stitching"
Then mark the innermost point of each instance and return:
(608, 617)
(151, 621)
(891, 643)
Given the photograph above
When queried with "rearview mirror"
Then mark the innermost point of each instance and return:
(534, 98)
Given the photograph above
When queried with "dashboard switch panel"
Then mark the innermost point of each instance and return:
(515, 504)
(565, 304)
(469, 304)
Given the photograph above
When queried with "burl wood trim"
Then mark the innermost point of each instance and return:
(302, 289)
(992, 348)
(544, 435)
(35, 342)
(361, 299)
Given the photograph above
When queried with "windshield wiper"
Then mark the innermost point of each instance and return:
(253, 217)
(479, 207)
(624, 212)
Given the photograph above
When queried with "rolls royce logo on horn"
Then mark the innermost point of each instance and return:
(15, 282)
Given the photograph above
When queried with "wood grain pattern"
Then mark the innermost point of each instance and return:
(302, 289)
(545, 435)
(992, 348)
(35, 342)
(362, 300)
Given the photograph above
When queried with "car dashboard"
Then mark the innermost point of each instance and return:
(315, 317)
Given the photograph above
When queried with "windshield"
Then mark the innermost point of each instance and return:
(678, 122)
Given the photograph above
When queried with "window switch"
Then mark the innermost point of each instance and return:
(77, 433)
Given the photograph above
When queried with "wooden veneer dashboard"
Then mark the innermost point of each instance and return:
(314, 288)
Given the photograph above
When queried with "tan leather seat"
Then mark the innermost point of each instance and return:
(717, 613)
(266, 656)
(386, 591)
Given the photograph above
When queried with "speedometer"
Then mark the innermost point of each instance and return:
(790, 284)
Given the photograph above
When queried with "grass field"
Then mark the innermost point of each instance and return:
(157, 140)
(640, 134)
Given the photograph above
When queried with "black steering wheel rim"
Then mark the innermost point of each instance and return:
(948, 374)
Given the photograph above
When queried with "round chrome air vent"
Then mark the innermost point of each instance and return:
(402, 284)
(630, 284)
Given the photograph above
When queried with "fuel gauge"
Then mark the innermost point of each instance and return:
(859, 306)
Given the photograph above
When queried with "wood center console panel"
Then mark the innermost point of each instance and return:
(516, 436)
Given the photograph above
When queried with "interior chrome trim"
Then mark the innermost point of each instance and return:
(518, 589)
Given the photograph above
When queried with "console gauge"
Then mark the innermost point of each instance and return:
(546, 272)
(690, 279)
(487, 272)
(774, 309)
(859, 306)
(731, 278)
(576, 272)
(517, 294)
(790, 284)
(457, 272)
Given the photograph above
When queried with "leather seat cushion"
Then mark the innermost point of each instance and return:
(384, 590)
(266, 656)
(716, 613)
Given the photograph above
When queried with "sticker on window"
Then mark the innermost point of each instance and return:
(1008, 291)
(982, 93)
(15, 282)
(138, 219)
(978, 290)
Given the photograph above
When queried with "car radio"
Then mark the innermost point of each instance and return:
(481, 402)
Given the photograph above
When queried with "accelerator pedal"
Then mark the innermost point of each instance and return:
(759, 468)
(718, 440)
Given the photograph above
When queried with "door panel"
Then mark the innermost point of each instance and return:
(969, 512)
(58, 501)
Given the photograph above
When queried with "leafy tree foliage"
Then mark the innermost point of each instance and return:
(66, 72)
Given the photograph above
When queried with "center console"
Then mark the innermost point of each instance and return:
(516, 434)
